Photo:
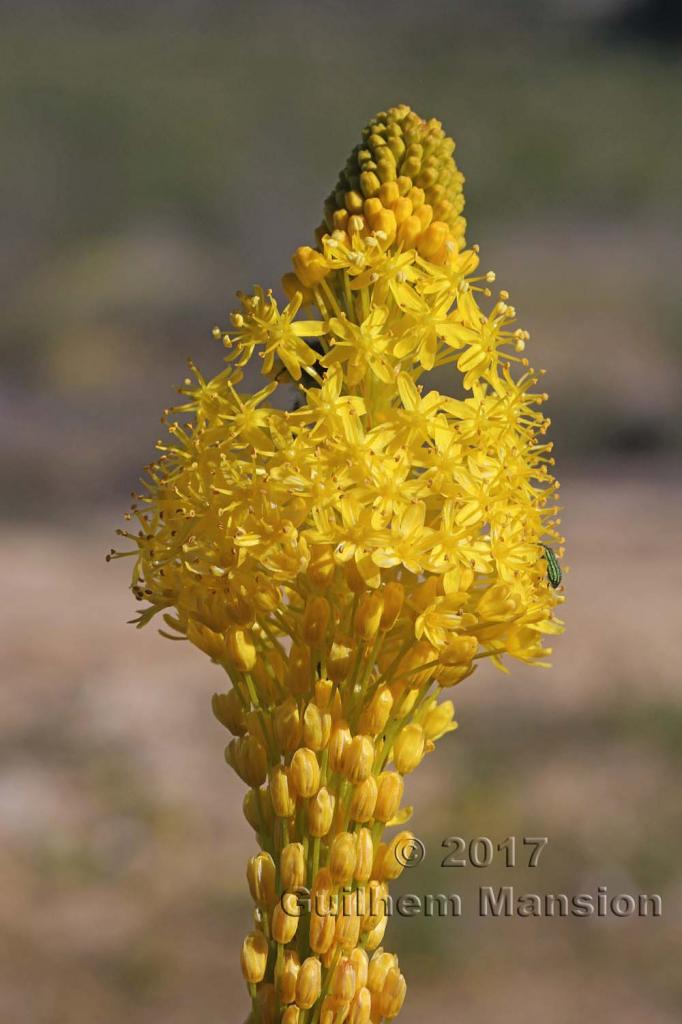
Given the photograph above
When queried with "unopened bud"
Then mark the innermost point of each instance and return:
(358, 759)
(304, 773)
(394, 595)
(260, 874)
(321, 932)
(374, 717)
(315, 621)
(343, 980)
(360, 961)
(394, 859)
(368, 616)
(285, 916)
(342, 857)
(291, 1015)
(281, 797)
(440, 720)
(286, 975)
(364, 800)
(390, 789)
(288, 728)
(254, 957)
(392, 995)
(408, 748)
(241, 649)
(339, 740)
(323, 692)
(379, 966)
(364, 855)
(310, 266)
(360, 1007)
(292, 866)
(339, 663)
(317, 727)
(309, 983)
(320, 813)
(227, 708)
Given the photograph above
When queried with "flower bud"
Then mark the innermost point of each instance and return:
(281, 797)
(358, 759)
(360, 1007)
(292, 866)
(304, 773)
(408, 748)
(394, 595)
(376, 936)
(254, 724)
(248, 758)
(342, 858)
(260, 874)
(241, 649)
(206, 639)
(309, 983)
(393, 862)
(348, 921)
(379, 966)
(343, 980)
(360, 961)
(392, 995)
(254, 957)
(285, 916)
(440, 720)
(364, 800)
(368, 617)
(320, 813)
(291, 1015)
(287, 722)
(407, 672)
(321, 932)
(378, 863)
(323, 693)
(286, 975)
(339, 740)
(315, 621)
(459, 651)
(375, 903)
(374, 717)
(310, 266)
(317, 727)
(227, 708)
(364, 855)
(339, 663)
(390, 789)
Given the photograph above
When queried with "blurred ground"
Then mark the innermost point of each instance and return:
(156, 157)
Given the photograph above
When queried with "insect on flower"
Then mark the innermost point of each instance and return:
(554, 574)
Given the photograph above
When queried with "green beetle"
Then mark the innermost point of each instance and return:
(553, 568)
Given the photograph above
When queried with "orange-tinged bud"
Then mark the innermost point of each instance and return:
(227, 708)
(408, 748)
(248, 758)
(317, 727)
(288, 728)
(440, 720)
(392, 995)
(322, 927)
(258, 811)
(364, 855)
(283, 801)
(360, 961)
(309, 983)
(304, 773)
(433, 238)
(291, 1015)
(260, 874)
(409, 231)
(394, 596)
(358, 759)
(241, 650)
(375, 716)
(320, 813)
(360, 1007)
(343, 980)
(342, 857)
(292, 866)
(363, 800)
(379, 966)
(316, 620)
(339, 740)
(286, 975)
(254, 957)
(390, 787)
(393, 863)
(285, 916)
(310, 266)
(368, 616)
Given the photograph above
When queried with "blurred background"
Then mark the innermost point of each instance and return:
(158, 156)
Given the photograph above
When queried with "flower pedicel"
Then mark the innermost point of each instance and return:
(347, 561)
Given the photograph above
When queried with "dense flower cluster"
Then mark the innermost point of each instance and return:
(347, 560)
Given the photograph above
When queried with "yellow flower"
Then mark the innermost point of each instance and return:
(346, 560)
